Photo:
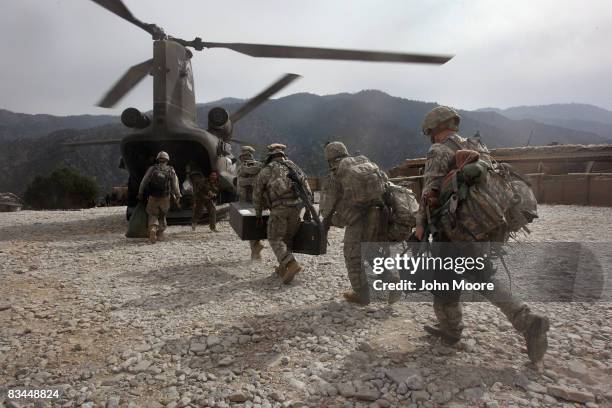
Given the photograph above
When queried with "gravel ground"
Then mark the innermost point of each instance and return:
(189, 322)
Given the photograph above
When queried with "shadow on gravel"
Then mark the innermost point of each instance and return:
(51, 231)
(259, 340)
(190, 285)
(196, 284)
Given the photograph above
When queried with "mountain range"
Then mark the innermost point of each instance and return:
(383, 127)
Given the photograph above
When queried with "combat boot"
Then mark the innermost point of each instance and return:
(152, 235)
(213, 228)
(536, 337)
(292, 269)
(160, 235)
(448, 337)
(256, 251)
(280, 271)
(353, 297)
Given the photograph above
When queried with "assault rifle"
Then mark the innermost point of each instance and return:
(311, 237)
(298, 188)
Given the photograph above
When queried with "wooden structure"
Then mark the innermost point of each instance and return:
(562, 174)
(9, 202)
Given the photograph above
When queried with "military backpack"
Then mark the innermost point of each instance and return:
(159, 181)
(363, 183)
(481, 201)
(280, 186)
(403, 207)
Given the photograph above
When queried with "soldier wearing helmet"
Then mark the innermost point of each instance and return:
(362, 223)
(205, 192)
(160, 183)
(247, 171)
(274, 190)
(441, 126)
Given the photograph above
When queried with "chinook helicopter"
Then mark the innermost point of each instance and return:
(172, 126)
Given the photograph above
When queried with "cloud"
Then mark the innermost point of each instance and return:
(61, 56)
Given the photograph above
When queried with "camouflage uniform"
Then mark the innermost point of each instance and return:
(247, 172)
(158, 206)
(368, 227)
(447, 306)
(273, 190)
(205, 192)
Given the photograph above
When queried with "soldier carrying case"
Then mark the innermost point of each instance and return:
(244, 222)
(311, 237)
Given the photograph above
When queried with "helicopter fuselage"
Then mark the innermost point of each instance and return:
(173, 129)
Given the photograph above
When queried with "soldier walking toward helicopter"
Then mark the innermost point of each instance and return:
(205, 191)
(441, 125)
(274, 190)
(247, 172)
(160, 182)
(353, 198)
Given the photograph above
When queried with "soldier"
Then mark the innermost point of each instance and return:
(274, 190)
(160, 182)
(362, 223)
(205, 191)
(247, 171)
(441, 126)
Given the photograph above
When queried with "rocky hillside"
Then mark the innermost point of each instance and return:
(575, 116)
(385, 128)
(21, 125)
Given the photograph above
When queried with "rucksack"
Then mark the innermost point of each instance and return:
(483, 202)
(523, 208)
(472, 144)
(280, 185)
(478, 215)
(363, 183)
(403, 207)
(249, 168)
(247, 172)
(159, 181)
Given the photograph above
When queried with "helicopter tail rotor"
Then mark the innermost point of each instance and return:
(125, 84)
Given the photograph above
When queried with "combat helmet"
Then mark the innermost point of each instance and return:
(335, 150)
(439, 115)
(247, 151)
(276, 149)
(163, 156)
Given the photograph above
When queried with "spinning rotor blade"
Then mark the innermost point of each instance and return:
(117, 7)
(263, 96)
(285, 51)
(129, 80)
(93, 142)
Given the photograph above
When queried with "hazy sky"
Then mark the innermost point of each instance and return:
(60, 56)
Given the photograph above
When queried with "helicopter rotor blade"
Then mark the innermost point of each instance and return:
(118, 8)
(285, 51)
(128, 81)
(263, 96)
(92, 142)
